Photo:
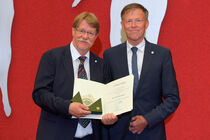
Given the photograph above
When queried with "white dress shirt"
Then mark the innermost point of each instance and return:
(140, 56)
(81, 131)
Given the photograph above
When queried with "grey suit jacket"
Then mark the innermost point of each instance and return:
(157, 94)
(53, 92)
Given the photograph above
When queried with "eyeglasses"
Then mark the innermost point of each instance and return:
(83, 32)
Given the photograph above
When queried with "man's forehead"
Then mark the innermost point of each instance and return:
(131, 12)
(84, 25)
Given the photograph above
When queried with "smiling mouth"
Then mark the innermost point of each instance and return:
(134, 31)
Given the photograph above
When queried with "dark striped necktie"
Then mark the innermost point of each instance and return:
(83, 75)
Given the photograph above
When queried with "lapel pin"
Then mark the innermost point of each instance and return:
(96, 61)
(152, 52)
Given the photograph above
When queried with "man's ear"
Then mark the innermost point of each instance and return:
(73, 31)
(96, 36)
(147, 23)
(122, 25)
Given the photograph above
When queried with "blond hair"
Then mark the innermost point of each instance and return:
(90, 18)
(132, 6)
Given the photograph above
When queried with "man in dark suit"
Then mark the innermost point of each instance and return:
(156, 94)
(54, 84)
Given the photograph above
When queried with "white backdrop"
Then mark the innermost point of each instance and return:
(6, 18)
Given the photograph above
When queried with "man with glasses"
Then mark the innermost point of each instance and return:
(54, 84)
(156, 94)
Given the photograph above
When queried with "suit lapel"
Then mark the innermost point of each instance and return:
(68, 62)
(93, 67)
(123, 60)
(146, 63)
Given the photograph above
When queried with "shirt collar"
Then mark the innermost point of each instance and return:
(140, 46)
(75, 54)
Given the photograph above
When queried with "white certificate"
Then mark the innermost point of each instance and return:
(116, 96)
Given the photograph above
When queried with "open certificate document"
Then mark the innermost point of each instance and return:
(115, 97)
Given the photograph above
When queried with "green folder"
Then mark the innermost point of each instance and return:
(77, 98)
(95, 108)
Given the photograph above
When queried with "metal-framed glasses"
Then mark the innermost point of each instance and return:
(83, 32)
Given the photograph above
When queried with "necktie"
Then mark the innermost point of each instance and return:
(134, 68)
(83, 75)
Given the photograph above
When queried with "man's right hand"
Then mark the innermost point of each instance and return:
(78, 110)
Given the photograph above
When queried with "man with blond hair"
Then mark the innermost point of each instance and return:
(156, 94)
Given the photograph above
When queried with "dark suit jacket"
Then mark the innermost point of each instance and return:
(53, 92)
(157, 94)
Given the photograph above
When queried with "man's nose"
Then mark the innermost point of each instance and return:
(85, 35)
(133, 24)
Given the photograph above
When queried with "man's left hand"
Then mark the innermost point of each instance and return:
(138, 124)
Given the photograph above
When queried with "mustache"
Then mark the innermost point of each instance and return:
(87, 41)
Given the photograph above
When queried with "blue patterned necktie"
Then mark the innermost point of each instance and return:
(135, 68)
(83, 75)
